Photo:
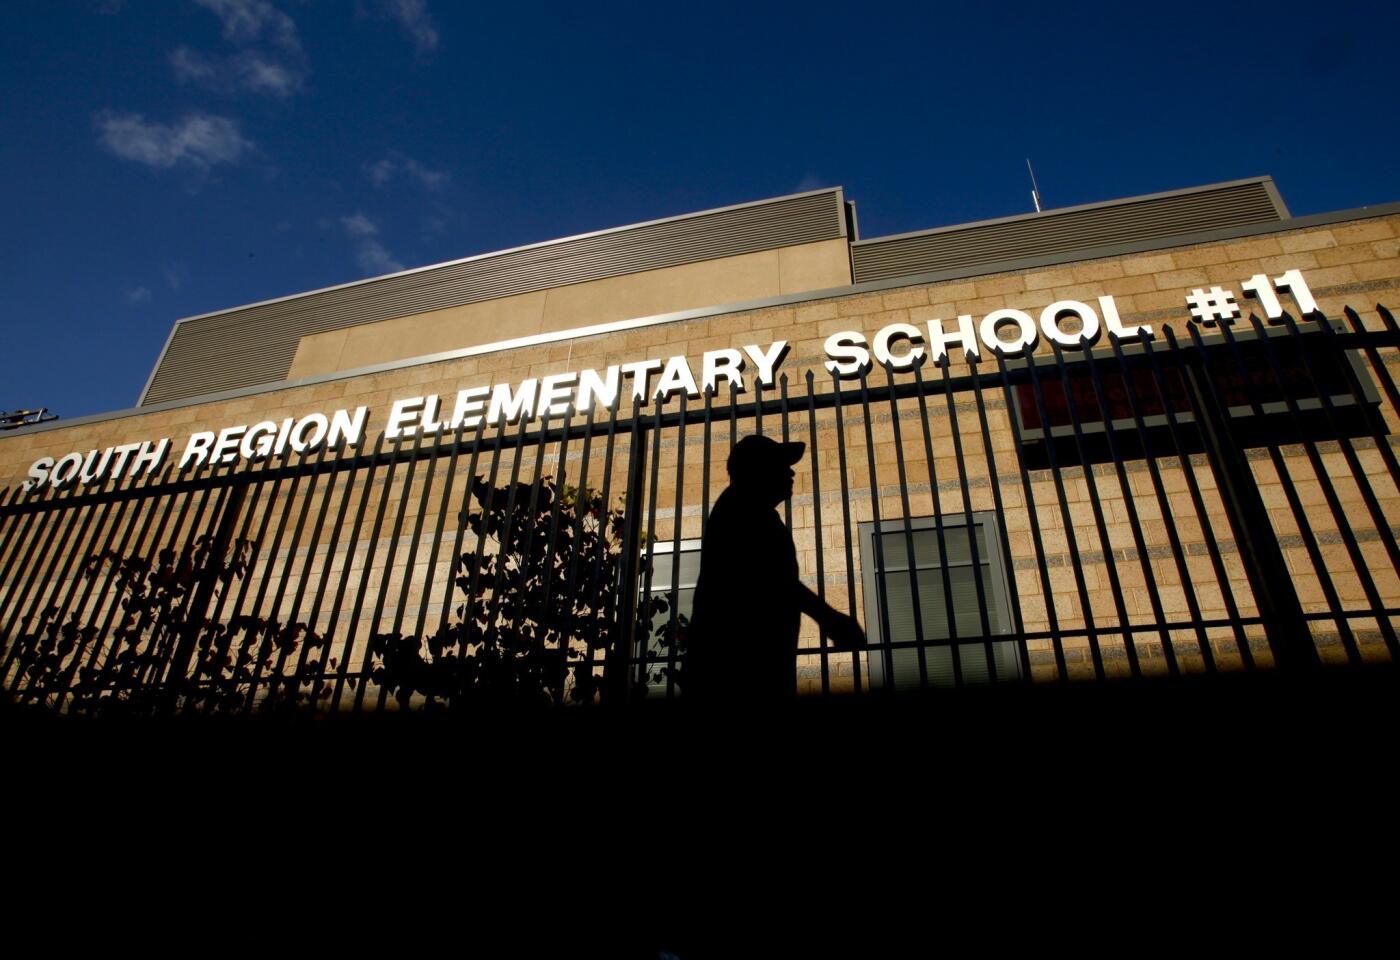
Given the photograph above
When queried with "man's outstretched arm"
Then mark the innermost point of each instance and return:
(844, 631)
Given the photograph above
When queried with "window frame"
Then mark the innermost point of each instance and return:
(1076, 365)
(880, 662)
(651, 564)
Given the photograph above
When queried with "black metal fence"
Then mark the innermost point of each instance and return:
(1222, 502)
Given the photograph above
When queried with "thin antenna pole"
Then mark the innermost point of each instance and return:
(1035, 188)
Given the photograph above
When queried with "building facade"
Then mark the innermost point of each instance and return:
(1143, 437)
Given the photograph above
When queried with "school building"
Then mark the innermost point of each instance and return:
(1151, 436)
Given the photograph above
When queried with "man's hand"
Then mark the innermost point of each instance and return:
(844, 631)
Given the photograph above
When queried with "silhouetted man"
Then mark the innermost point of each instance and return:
(742, 641)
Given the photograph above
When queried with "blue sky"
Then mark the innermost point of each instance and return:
(164, 158)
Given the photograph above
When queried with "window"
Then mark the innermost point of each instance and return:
(886, 578)
(1247, 374)
(686, 567)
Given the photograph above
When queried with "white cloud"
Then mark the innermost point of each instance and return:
(249, 70)
(417, 23)
(198, 140)
(358, 225)
(138, 295)
(271, 61)
(250, 21)
(395, 164)
(193, 65)
(371, 255)
(261, 75)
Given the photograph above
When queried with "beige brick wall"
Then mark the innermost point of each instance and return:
(754, 276)
(1353, 264)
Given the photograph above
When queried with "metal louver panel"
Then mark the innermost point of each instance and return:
(253, 345)
(1074, 228)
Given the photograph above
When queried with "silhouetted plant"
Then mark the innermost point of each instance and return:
(129, 673)
(537, 623)
(539, 616)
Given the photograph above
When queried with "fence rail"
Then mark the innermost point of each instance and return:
(1191, 505)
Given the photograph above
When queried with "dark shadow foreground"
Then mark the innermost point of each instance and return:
(727, 832)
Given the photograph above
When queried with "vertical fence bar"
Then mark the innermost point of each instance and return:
(45, 517)
(139, 623)
(1264, 563)
(493, 611)
(343, 671)
(65, 519)
(816, 518)
(939, 529)
(55, 612)
(674, 613)
(255, 632)
(186, 638)
(617, 672)
(26, 542)
(1091, 630)
(994, 478)
(1096, 507)
(733, 416)
(1256, 528)
(168, 668)
(1375, 431)
(469, 613)
(365, 573)
(310, 637)
(887, 651)
(286, 633)
(548, 621)
(463, 514)
(1198, 503)
(596, 599)
(1329, 490)
(256, 483)
(908, 525)
(245, 490)
(9, 521)
(783, 415)
(126, 505)
(1164, 507)
(581, 505)
(1378, 434)
(132, 672)
(532, 521)
(1382, 375)
(400, 512)
(401, 604)
(1309, 537)
(444, 506)
(974, 549)
(846, 520)
(647, 572)
(268, 633)
(1134, 523)
(143, 515)
(705, 464)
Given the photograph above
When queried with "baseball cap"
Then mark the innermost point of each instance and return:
(755, 455)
